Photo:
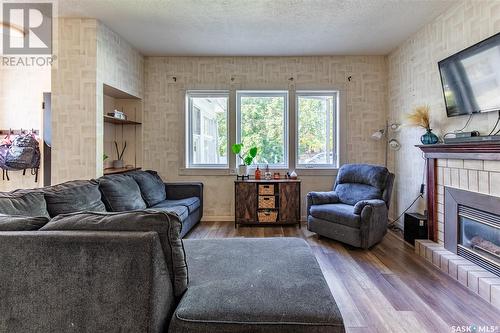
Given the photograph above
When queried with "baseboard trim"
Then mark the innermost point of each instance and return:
(216, 218)
(223, 218)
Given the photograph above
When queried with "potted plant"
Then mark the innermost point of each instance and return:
(246, 158)
(106, 162)
(420, 117)
(118, 163)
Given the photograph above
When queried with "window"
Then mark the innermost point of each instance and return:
(262, 118)
(317, 129)
(207, 133)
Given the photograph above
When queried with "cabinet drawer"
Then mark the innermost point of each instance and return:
(267, 201)
(267, 189)
(267, 216)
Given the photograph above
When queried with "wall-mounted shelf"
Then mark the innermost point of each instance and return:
(122, 132)
(117, 121)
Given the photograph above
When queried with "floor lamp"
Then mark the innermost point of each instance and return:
(383, 134)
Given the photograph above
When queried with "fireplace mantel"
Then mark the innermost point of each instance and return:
(463, 151)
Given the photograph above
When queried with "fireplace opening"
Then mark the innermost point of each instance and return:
(472, 227)
(479, 237)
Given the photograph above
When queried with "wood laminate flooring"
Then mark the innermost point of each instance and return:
(385, 289)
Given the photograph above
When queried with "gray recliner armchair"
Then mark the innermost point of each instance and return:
(355, 212)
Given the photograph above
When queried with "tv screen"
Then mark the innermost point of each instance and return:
(471, 78)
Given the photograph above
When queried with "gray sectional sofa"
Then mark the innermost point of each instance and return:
(74, 259)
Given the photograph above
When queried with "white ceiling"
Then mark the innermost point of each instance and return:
(260, 27)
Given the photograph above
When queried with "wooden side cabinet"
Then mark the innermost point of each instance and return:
(267, 202)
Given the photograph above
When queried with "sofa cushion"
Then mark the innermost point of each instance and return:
(181, 211)
(279, 288)
(192, 203)
(121, 193)
(338, 213)
(151, 185)
(166, 225)
(74, 196)
(21, 223)
(352, 193)
(24, 203)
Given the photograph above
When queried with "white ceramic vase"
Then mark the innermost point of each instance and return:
(242, 170)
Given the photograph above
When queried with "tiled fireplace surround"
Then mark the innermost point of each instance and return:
(473, 168)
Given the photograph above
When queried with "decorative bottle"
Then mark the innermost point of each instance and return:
(257, 173)
(267, 174)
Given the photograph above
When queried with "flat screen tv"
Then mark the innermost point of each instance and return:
(471, 79)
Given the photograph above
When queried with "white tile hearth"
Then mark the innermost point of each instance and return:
(472, 276)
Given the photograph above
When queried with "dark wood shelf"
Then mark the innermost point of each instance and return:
(469, 150)
(113, 120)
(112, 171)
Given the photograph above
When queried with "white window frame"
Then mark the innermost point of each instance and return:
(336, 124)
(189, 122)
(266, 93)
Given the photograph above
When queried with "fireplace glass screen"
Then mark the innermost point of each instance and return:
(481, 238)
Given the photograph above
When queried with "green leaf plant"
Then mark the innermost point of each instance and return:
(247, 157)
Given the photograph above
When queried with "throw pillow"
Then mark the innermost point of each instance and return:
(23, 203)
(74, 196)
(121, 193)
(151, 185)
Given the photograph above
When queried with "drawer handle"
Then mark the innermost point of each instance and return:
(266, 186)
(266, 199)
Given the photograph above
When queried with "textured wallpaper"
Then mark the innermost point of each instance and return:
(364, 100)
(74, 111)
(414, 80)
(89, 54)
(121, 66)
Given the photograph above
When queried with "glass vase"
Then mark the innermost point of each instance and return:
(429, 138)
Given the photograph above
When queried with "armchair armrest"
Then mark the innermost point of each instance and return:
(374, 219)
(358, 207)
(183, 190)
(320, 198)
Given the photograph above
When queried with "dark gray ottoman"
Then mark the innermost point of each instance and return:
(255, 285)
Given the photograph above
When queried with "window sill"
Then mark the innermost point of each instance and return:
(316, 171)
(205, 172)
(228, 172)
